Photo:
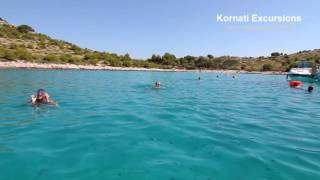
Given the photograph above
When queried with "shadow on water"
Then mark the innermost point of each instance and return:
(147, 88)
(5, 149)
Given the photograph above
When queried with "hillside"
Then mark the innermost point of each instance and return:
(23, 43)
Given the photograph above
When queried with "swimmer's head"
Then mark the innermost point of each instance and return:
(42, 94)
(310, 88)
(157, 84)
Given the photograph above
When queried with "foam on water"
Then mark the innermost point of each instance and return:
(113, 125)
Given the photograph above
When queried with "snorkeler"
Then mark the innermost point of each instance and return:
(157, 84)
(310, 89)
(42, 97)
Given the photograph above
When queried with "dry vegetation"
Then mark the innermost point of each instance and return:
(23, 43)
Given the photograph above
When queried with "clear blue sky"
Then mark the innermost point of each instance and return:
(183, 27)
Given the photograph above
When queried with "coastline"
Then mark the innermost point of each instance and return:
(52, 66)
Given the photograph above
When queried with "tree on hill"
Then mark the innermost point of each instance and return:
(169, 59)
(267, 67)
(126, 57)
(210, 56)
(275, 54)
(25, 29)
(230, 64)
(203, 62)
(155, 59)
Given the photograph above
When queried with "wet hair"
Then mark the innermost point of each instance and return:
(310, 88)
(41, 92)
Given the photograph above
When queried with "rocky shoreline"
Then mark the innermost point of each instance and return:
(51, 66)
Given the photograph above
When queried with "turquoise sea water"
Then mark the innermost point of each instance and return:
(113, 125)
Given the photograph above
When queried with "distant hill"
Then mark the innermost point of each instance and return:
(23, 43)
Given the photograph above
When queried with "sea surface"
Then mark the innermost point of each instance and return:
(115, 125)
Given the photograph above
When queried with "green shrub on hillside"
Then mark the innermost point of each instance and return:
(27, 36)
(13, 35)
(52, 58)
(114, 62)
(42, 37)
(9, 31)
(68, 58)
(14, 46)
(230, 64)
(93, 61)
(92, 56)
(42, 45)
(76, 49)
(275, 54)
(25, 29)
(65, 57)
(74, 60)
(23, 54)
(2, 52)
(127, 63)
(10, 55)
(267, 67)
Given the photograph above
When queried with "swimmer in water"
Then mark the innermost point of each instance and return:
(199, 78)
(157, 84)
(42, 97)
(310, 89)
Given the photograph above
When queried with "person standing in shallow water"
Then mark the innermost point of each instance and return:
(41, 97)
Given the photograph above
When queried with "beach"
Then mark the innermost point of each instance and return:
(52, 66)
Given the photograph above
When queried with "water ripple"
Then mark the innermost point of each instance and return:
(114, 125)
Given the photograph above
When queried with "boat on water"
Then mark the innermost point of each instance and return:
(304, 71)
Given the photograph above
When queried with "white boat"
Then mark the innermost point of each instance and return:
(304, 70)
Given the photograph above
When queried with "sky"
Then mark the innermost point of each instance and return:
(182, 27)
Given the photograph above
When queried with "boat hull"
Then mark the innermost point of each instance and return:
(304, 78)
